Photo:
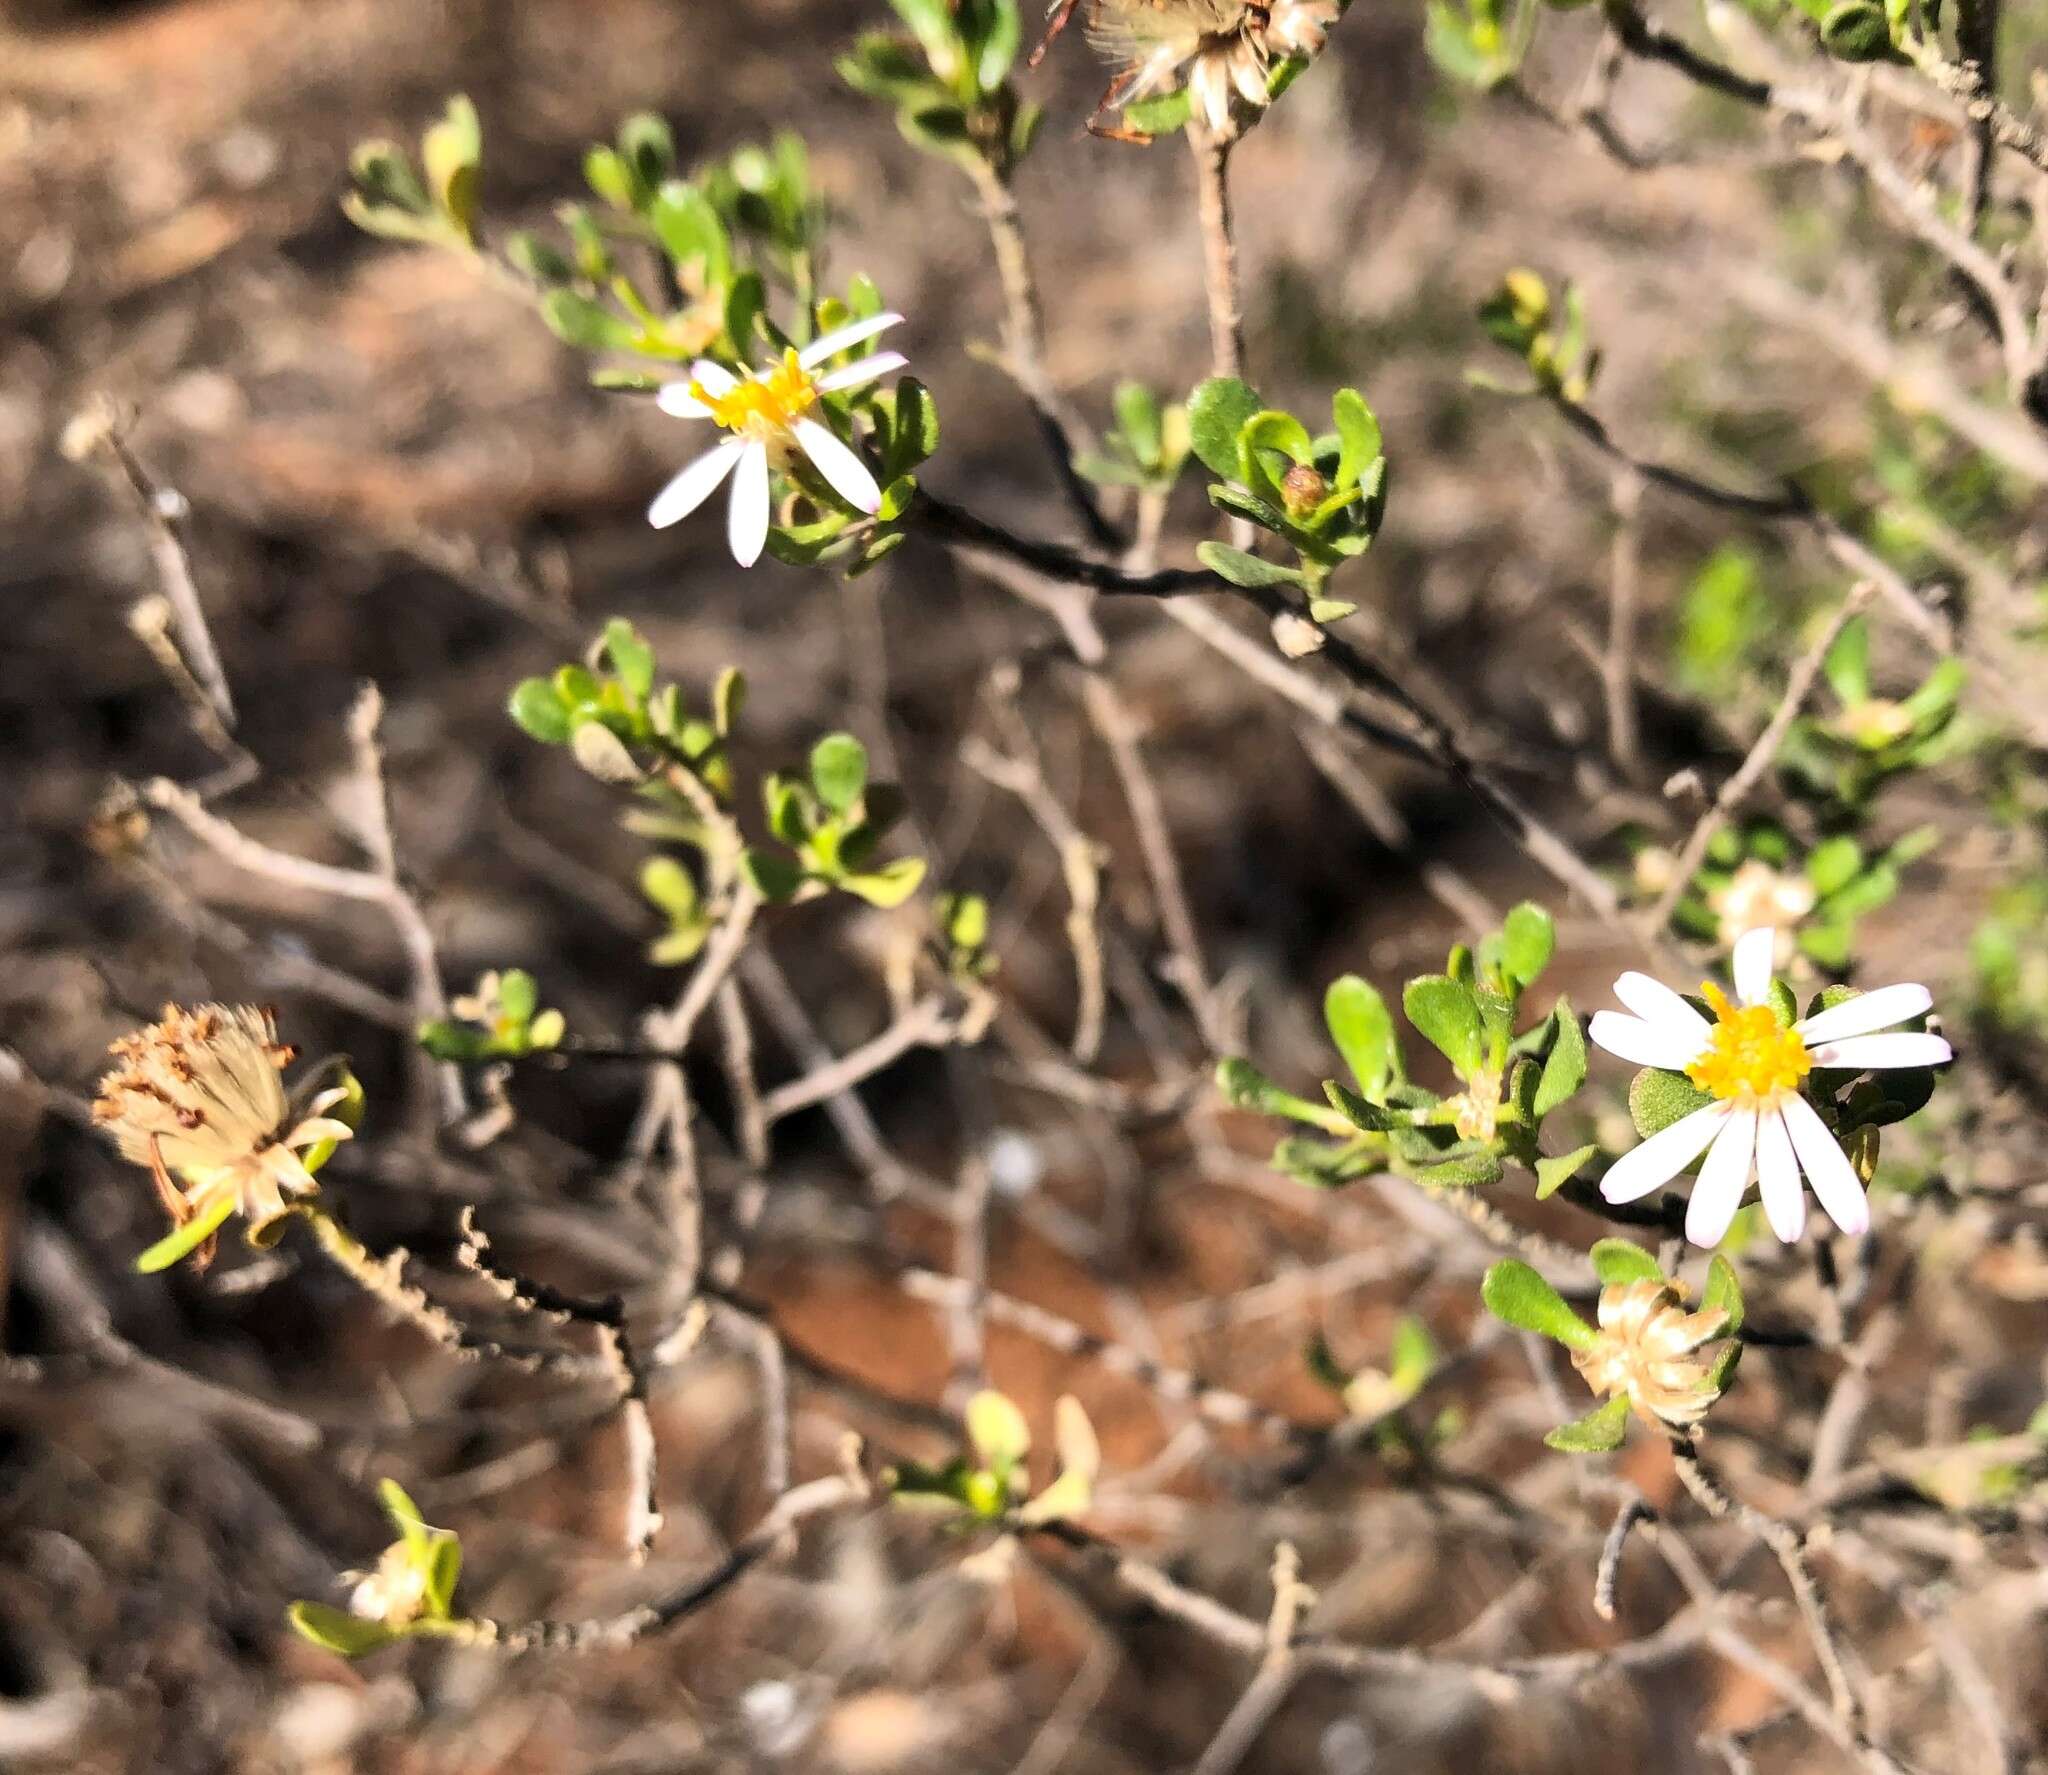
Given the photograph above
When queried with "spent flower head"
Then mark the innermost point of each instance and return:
(1647, 1350)
(770, 416)
(1225, 50)
(198, 1097)
(1759, 1123)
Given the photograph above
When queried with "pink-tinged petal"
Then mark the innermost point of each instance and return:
(1755, 953)
(676, 399)
(864, 371)
(1656, 1003)
(1777, 1176)
(1660, 1158)
(716, 379)
(1827, 1167)
(1645, 1044)
(694, 485)
(746, 519)
(846, 473)
(1866, 1012)
(836, 341)
(1899, 1047)
(1723, 1180)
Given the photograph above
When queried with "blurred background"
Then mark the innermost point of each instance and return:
(396, 474)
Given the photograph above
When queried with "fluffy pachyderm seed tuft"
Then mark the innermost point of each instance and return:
(198, 1097)
(1648, 1349)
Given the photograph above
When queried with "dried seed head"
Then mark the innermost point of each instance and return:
(1647, 1348)
(1227, 48)
(198, 1098)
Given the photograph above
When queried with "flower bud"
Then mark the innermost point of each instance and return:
(1302, 489)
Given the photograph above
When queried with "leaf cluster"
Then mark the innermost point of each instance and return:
(827, 825)
(1381, 1120)
(424, 1561)
(1323, 496)
(947, 75)
(501, 1020)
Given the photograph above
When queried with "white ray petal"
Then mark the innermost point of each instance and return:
(1898, 1047)
(1722, 1181)
(847, 474)
(836, 341)
(1866, 1012)
(694, 485)
(718, 381)
(1777, 1176)
(1827, 1167)
(1755, 951)
(1646, 1044)
(866, 370)
(1656, 1003)
(675, 398)
(746, 519)
(1660, 1158)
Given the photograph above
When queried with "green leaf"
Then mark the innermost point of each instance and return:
(335, 1631)
(1358, 434)
(1599, 1432)
(1723, 1293)
(1137, 416)
(444, 1569)
(1217, 411)
(997, 1430)
(649, 148)
(1368, 1116)
(774, 877)
(1657, 1099)
(1564, 1067)
(538, 710)
(1619, 1261)
(1858, 31)
(1528, 940)
(1244, 1086)
(451, 151)
(670, 886)
(888, 886)
(630, 657)
(1242, 569)
(184, 1240)
(1413, 1357)
(1833, 865)
(1161, 116)
(1552, 1174)
(1446, 1014)
(999, 47)
(728, 698)
(608, 175)
(1515, 1293)
(576, 319)
(1363, 1029)
(518, 995)
(839, 771)
(1470, 1171)
(404, 1513)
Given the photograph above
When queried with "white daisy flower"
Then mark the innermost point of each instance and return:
(771, 413)
(1758, 1124)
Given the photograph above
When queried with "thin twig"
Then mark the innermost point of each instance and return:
(1799, 683)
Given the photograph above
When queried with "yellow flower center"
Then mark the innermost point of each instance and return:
(1750, 1057)
(763, 407)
